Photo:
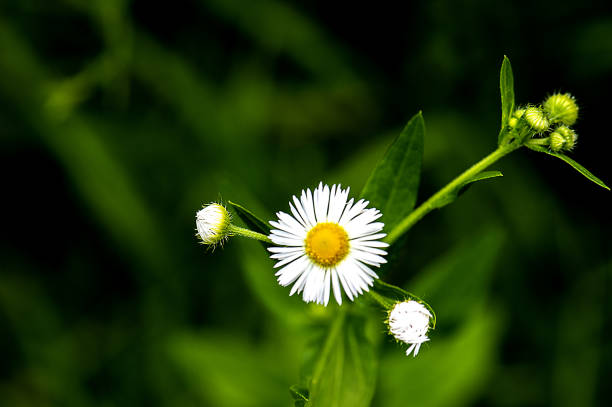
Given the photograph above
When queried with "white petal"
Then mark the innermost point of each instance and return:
(336, 286)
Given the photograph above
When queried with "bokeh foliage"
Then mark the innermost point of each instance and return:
(120, 118)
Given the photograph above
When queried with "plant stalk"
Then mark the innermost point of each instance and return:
(430, 204)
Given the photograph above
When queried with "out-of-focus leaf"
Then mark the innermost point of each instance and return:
(393, 185)
(459, 280)
(250, 219)
(463, 187)
(227, 371)
(571, 162)
(259, 272)
(344, 372)
(506, 87)
(448, 372)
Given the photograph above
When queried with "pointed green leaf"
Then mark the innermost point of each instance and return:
(571, 162)
(393, 185)
(463, 187)
(250, 219)
(506, 87)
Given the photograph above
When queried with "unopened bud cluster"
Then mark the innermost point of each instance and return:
(548, 124)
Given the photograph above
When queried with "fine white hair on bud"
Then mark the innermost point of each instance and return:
(561, 108)
(212, 224)
(536, 119)
(409, 322)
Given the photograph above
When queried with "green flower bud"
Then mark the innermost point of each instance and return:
(536, 119)
(515, 117)
(561, 108)
(557, 141)
(569, 136)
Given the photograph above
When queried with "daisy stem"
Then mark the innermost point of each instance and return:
(237, 230)
(450, 188)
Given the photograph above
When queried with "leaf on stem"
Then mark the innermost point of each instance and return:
(393, 185)
(451, 196)
(250, 219)
(506, 87)
(571, 162)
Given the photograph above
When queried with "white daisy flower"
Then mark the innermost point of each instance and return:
(212, 223)
(327, 243)
(409, 323)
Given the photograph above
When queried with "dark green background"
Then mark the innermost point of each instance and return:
(119, 119)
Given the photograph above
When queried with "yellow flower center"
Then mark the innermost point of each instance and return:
(327, 244)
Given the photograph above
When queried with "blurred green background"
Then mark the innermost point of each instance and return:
(118, 119)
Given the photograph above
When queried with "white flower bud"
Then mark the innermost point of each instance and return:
(212, 223)
(409, 323)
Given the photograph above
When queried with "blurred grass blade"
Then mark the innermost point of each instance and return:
(250, 219)
(393, 185)
(571, 162)
(463, 187)
(506, 87)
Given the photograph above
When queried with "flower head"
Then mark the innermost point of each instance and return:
(536, 119)
(409, 322)
(212, 223)
(327, 244)
(561, 108)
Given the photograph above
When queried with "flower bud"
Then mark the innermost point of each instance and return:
(212, 223)
(409, 322)
(515, 117)
(561, 108)
(569, 136)
(557, 141)
(536, 119)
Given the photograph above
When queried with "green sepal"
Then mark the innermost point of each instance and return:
(250, 219)
(388, 295)
(393, 185)
(506, 87)
(451, 196)
(571, 162)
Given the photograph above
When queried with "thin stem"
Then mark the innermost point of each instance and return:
(439, 196)
(237, 230)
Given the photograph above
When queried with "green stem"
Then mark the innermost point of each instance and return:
(439, 196)
(237, 230)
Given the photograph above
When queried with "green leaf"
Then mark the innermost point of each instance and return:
(393, 185)
(506, 87)
(250, 219)
(344, 373)
(451, 196)
(571, 162)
